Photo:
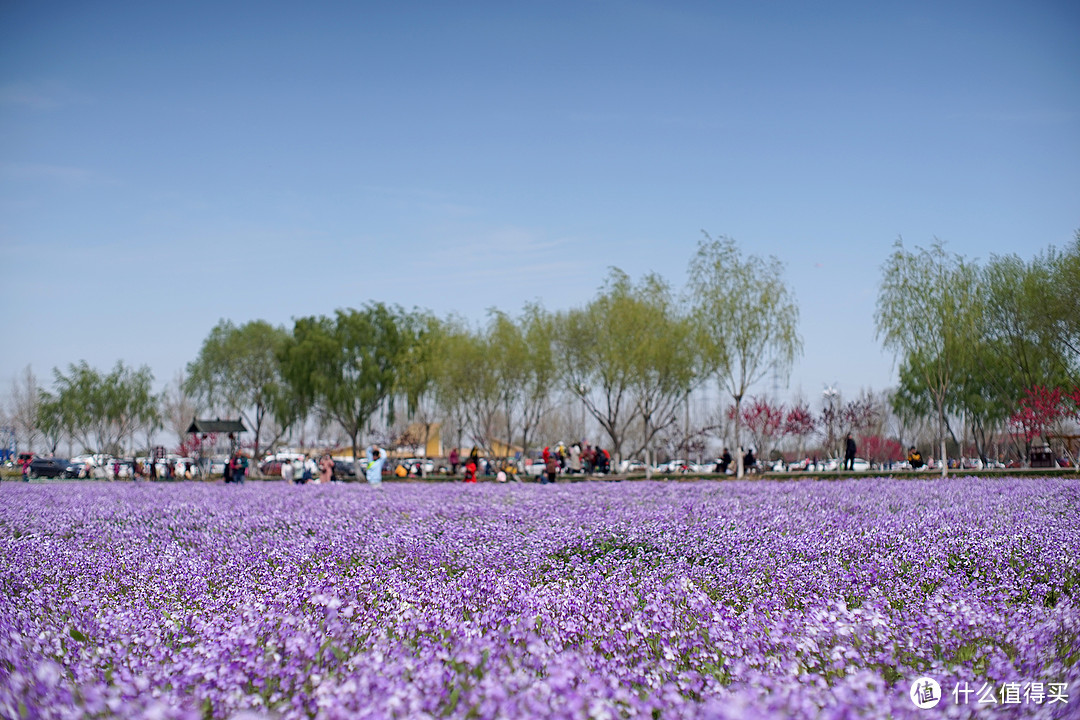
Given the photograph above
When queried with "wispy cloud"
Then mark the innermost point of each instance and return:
(493, 248)
(39, 95)
(43, 172)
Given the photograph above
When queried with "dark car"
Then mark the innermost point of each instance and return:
(344, 469)
(271, 468)
(49, 468)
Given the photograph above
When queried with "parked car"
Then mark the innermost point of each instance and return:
(270, 468)
(858, 465)
(414, 465)
(52, 468)
(709, 466)
(342, 469)
(121, 469)
(177, 462)
(271, 464)
(97, 466)
(534, 467)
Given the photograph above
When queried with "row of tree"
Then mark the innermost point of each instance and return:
(971, 342)
(632, 357)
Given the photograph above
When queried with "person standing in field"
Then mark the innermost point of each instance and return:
(551, 468)
(455, 459)
(239, 467)
(588, 458)
(287, 471)
(575, 458)
(326, 469)
(374, 466)
(849, 453)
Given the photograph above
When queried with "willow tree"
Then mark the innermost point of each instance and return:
(418, 374)
(746, 317)
(664, 356)
(238, 370)
(929, 313)
(349, 367)
(509, 351)
(467, 382)
(525, 368)
(1063, 305)
(541, 371)
(1017, 351)
(625, 356)
(101, 410)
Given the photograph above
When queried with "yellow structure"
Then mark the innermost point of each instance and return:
(501, 448)
(419, 436)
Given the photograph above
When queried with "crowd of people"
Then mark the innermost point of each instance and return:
(306, 470)
(579, 458)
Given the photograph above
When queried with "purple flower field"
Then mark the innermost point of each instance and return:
(603, 600)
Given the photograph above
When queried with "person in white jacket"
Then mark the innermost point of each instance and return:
(374, 464)
(310, 469)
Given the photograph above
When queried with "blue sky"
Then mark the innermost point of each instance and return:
(166, 165)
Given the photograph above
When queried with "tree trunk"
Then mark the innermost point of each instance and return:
(423, 454)
(739, 468)
(941, 434)
(355, 437)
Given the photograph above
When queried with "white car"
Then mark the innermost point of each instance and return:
(412, 465)
(858, 465)
(675, 466)
(534, 467)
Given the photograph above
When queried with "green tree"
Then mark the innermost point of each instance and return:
(929, 313)
(451, 368)
(50, 420)
(1017, 349)
(238, 370)
(418, 373)
(507, 348)
(624, 356)
(540, 374)
(665, 360)
(747, 318)
(471, 382)
(348, 366)
(99, 410)
(1061, 297)
(524, 366)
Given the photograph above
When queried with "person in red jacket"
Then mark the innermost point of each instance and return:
(470, 471)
